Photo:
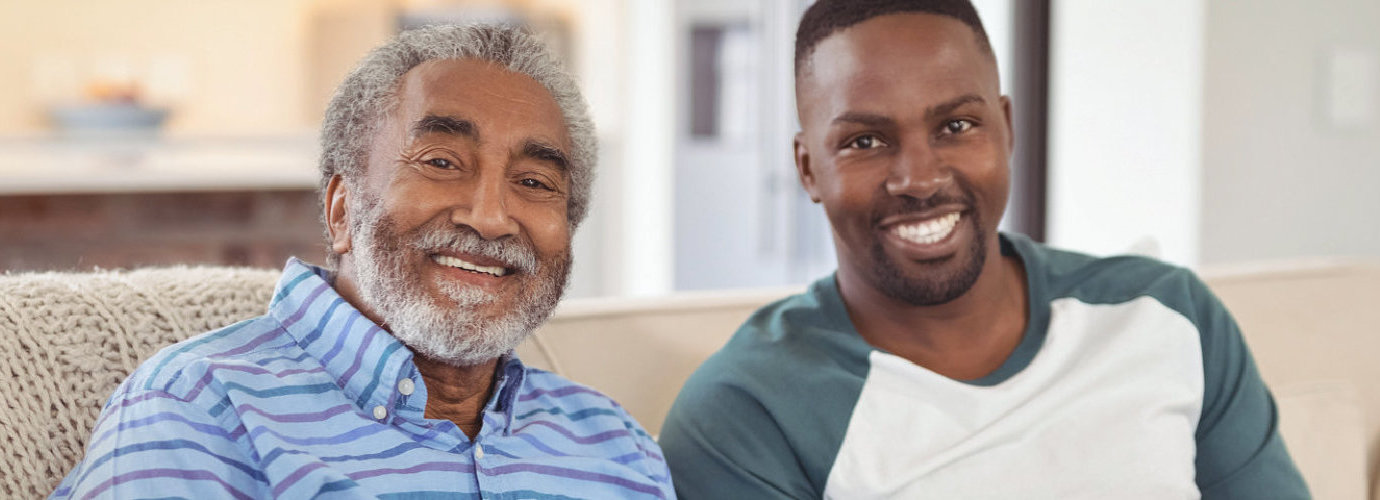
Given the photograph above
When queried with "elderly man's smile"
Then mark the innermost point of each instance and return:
(472, 265)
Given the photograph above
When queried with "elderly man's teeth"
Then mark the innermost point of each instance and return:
(447, 260)
(931, 231)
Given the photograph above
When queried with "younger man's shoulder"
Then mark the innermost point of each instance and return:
(1112, 278)
(1117, 279)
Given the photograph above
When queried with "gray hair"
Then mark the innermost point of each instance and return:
(370, 92)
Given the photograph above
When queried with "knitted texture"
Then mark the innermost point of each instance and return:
(70, 338)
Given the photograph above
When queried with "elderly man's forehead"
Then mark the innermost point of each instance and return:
(465, 89)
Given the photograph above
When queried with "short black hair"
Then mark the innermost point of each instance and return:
(828, 16)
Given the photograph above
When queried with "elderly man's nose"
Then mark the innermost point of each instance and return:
(483, 207)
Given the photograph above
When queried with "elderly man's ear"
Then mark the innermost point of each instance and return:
(337, 220)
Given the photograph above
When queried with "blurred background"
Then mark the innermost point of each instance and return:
(1207, 133)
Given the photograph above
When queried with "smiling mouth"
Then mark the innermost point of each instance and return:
(459, 263)
(928, 232)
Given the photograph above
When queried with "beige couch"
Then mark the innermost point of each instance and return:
(70, 338)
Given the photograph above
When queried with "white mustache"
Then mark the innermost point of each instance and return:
(513, 253)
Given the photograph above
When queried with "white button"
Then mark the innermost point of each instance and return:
(478, 451)
(380, 412)
(405, 386)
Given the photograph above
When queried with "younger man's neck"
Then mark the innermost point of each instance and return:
(966, 338)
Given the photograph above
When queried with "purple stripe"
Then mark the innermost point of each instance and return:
(239, 431)
(340, 339)
(540, 446)
(126, 402)
(400, 449)
(252, 370)
(359, 357)
(628, 458)
(345, 437)
(559, 393)
(161, 417)
(302, 309)
(652, 454)
(165, 473)
(548, 470)
(430, 434)
(251, 345)
(319, 416)
(591, 439)
(296, 475)
(423, 467)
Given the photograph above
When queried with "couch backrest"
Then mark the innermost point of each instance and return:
(1313, 327)
(640, 351)
(71, 338)
(68, 339)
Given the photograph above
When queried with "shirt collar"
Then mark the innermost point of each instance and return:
(509, 379)
(364, 359)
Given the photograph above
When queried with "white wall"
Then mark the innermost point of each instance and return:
(1125, 125)
(1280, 178)
(648, 146)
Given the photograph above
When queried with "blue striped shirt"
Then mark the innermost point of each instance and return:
(314, 399)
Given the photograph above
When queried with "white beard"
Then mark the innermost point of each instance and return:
(455, 333)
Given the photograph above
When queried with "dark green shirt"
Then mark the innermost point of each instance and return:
(1131, 381)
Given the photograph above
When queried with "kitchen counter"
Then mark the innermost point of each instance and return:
(63, 165)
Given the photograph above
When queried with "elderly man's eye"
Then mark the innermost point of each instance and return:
(535, 184)
(866, 142)
(441, 163)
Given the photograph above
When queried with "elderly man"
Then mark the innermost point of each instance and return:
(946, 360)
(455, 165)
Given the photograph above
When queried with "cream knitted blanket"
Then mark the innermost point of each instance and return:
(68, 339)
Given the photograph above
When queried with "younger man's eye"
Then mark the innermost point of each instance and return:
(957, 126)
(866, 142)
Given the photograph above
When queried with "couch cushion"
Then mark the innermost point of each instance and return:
(1322, 425)
(1310, 322)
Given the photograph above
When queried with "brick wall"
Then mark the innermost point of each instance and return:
(82, 231)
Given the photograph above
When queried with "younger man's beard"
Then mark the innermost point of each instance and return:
(457, 334)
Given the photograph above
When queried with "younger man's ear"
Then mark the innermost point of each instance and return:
(337, 218)
(1010, 132)
(802, 167)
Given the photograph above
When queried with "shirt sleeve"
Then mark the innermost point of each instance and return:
(152, 444)
(721, 443)
(653, 459)
(1240, 452)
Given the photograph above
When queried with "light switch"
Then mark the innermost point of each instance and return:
(1350, 88)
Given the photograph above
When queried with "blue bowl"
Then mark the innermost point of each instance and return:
(108, 117)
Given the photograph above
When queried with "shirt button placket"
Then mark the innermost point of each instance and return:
(479, 479)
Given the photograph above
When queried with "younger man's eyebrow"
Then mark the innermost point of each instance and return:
(449, 125)
(934, 112)
(864, 119)
(945, 108)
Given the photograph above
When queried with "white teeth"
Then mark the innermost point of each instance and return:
(447, 260)
(931, 231)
